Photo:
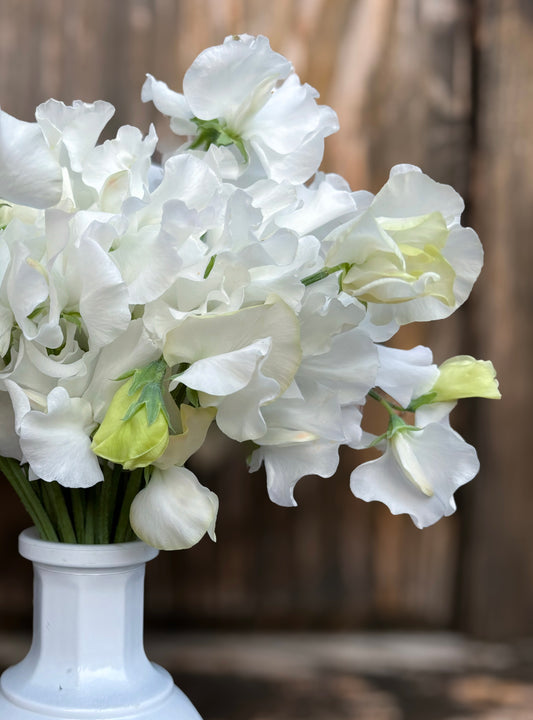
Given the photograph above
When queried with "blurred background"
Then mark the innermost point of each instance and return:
(446, 85)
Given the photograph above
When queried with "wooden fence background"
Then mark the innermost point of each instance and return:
(448, 85)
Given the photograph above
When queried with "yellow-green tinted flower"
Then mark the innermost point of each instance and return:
(134, 442)
(403, 260)
(464, 376)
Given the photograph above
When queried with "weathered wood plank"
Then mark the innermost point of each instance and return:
(498, 571)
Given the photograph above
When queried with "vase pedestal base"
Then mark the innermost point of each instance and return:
(173, 705)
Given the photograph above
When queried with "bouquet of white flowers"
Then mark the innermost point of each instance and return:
(231, 283)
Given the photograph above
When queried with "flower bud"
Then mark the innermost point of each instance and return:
(464, 376)
(134, 442)
(174, 511)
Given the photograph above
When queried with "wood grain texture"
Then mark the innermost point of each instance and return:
(398, 72)
(498, 572)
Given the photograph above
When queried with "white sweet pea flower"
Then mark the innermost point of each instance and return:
(418, 473)
(119, 168)
(174, 511)
(73, 130)
(29, 172)
(276, 265)
(193, 293)
(319, 411)
(235, 383)
(303, 438)
(56, 443)
(323, 205)
(165, 229)
(103, 295)
(242, 93)
(237, 361)
(36, 311)
(36, 370)
(66, 277)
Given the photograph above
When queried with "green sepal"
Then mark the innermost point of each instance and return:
(148, 380)
(154, 372)
(398, 424)
(377, 440)
(214, 132)
(151, 398)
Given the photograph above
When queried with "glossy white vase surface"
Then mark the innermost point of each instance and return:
(87, 657)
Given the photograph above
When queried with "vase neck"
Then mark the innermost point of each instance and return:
(87, 614)
(87, 651)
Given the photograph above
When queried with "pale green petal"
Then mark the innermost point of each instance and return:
(195, 424)
(463, 376)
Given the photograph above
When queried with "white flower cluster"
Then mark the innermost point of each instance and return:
(234, 283)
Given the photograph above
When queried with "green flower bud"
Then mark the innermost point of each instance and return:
(129, 438)
(464, 376)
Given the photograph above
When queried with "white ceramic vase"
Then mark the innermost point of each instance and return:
(87, 658)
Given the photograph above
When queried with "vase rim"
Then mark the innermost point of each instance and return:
(33, 548)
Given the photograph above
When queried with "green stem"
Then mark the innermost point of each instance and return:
(390, 407)
(89, 534)
(134, 484)
(47, 504)
(19, 481)
(179, 394)
(56, 500)
(324, 273)
(77, 501)
(106, 508)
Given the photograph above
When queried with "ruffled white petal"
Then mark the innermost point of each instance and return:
(72, 130)
(57, 443)
(29, 173)
(406, 374)
(447, 462)
(104, 298)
